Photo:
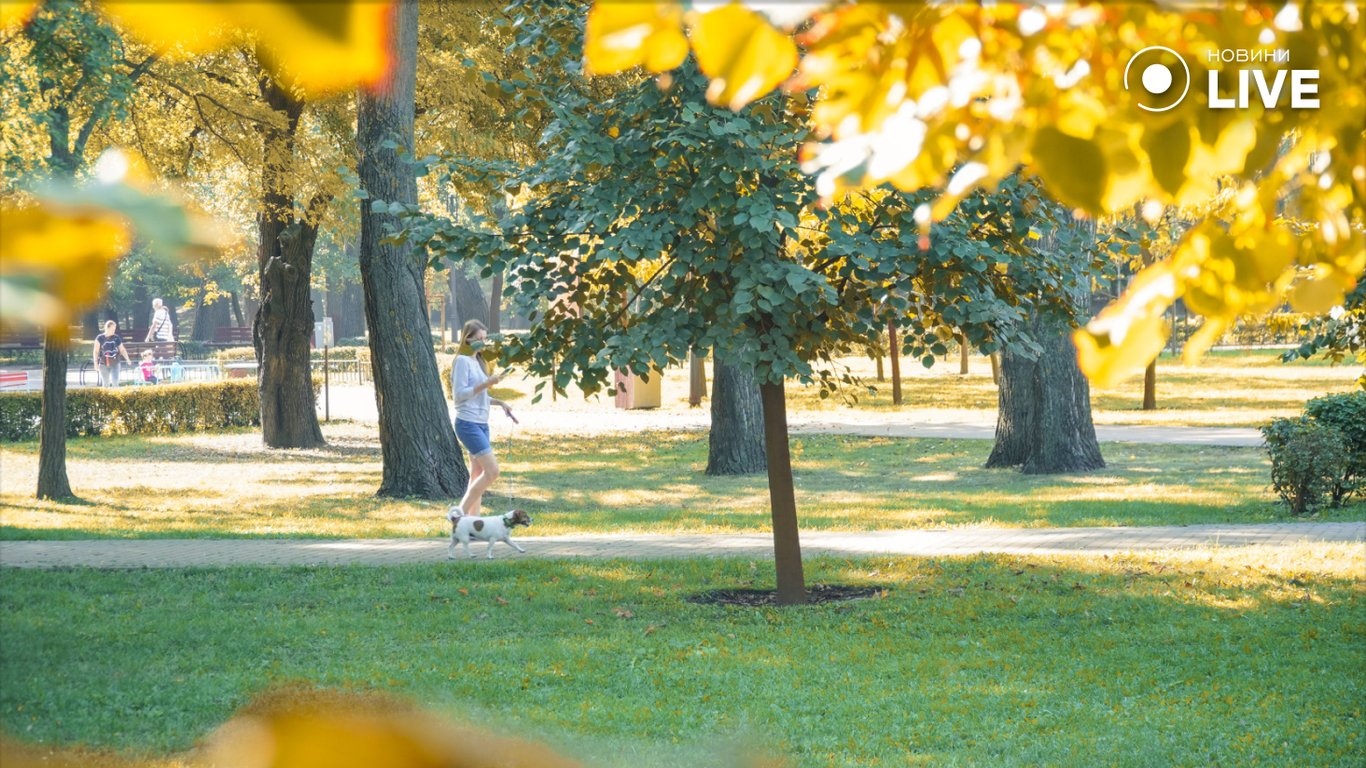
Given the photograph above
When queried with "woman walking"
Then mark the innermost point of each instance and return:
(470, 385)
(108, 348)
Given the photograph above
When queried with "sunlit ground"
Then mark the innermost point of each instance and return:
(229, 485)
(1244, 388)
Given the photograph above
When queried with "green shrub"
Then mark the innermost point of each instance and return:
(235, 354)
(1308, 460)
(1345, 413)
(143, 410)
(239, 354)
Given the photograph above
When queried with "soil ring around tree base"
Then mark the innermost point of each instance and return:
(815, 594)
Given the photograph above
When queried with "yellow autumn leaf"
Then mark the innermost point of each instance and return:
(55, 261)
(322, 47)
(742, 54)
(1129, 333)
(1204, 337)
(342, 730)
(1072, 167)
(1319, 293)
(620, 36)
(15, 12)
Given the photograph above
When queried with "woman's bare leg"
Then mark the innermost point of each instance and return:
(484, 473)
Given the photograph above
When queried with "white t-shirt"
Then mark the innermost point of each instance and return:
(473, 406)
(161, 325)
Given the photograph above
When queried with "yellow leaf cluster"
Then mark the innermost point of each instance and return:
(16, 12)
(620, 36)
(55, 260)
(320, 47)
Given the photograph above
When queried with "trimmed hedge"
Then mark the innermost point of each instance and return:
(238, 354)
(143, 410)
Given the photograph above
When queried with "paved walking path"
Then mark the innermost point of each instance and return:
(357, 403)
(165, 553)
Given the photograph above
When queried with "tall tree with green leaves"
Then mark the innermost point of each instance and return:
(70, 73)
(656, 224)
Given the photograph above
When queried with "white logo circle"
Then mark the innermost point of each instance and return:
(1157, 78)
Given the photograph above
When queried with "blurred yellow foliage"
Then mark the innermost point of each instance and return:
(320, 47)
(55, 260)
(15, 12)
(744, 56)
(626, 35)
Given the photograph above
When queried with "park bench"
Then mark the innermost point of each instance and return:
(232, 336)
(23, 341)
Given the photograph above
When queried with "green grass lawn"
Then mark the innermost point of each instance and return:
(1231, 657)
(228, 485)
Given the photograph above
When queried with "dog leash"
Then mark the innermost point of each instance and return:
(507, 454)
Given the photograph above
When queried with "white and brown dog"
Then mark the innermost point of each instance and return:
(491, 529)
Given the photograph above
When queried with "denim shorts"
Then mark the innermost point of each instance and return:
(474, 436)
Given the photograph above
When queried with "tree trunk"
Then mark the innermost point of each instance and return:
(736, 438)
(52, 480)
(347, 303)
(881, 375)
(787, 548)
(237, 310)
(208, 318)
(142, 310)
(697, 379)
(996, 368)
(468, 297)
(963, 355)
(418, 442)
(1043, 423)
(283, 328)
(1150, 386)
(894, 350)
(496, 302)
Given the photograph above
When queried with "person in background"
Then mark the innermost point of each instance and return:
(108, 348)
(148, 367)
(161, 330)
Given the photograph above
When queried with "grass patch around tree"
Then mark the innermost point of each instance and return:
(226, 484)
(1226, 657)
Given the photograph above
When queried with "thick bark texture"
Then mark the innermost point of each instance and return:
(1043, 424)
(416, 437)
(787, 548)
(52, 480)
(736, 439)
(283, 327)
